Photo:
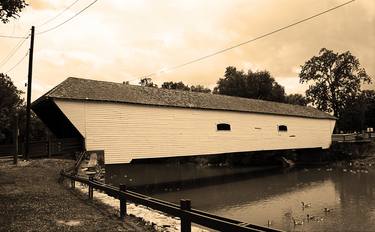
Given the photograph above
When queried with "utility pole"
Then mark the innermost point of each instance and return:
(28, 101)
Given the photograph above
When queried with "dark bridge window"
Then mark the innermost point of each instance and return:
(223, 127)
(283, 128)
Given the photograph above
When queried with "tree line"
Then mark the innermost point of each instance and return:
(257, 85)
(334, 79)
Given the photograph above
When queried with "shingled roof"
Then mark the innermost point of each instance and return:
(85, 89)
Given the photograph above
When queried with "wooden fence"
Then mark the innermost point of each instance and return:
(45, 148)
(184, 211)
(354, 137)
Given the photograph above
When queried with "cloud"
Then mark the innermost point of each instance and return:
(292, 85)
(42, 4)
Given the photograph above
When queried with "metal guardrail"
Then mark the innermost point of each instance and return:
(183, 211)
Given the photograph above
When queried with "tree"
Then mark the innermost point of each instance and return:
(199, 88)
(336, 79)
(181, 86)
(369, 96)
(359, 113)
(257, 85)
(10, 104)
(175, 85)
(147, 82)
(11, 9)
(296, 99)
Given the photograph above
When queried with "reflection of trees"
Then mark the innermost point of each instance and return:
(356, 196)
(247, 189)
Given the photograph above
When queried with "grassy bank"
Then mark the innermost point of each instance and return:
(32, 200)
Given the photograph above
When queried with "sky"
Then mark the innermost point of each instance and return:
(123, 40)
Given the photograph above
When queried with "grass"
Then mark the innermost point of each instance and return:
(32, 200)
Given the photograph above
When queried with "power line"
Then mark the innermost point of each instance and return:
(12, 37)
(246, 42)
(61, 12)
(13, 51)
(27, 53)
(58, 25)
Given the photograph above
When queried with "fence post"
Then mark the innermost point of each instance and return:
(16, 134)
(72, 183)
(91, 190)
(185, 204)
(49, 144)
(122, 202)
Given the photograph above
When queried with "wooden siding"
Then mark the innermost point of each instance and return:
(75, 112)
(130, 131)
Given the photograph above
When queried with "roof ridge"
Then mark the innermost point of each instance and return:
(56, 87)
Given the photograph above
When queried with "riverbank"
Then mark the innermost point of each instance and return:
(32, 200)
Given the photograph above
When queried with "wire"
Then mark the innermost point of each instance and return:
(12, 37)
(246, 42)
(27, 53)
(13, 51)
(61, 12)
(58, 25)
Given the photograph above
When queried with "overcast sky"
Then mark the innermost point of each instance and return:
(118, 40)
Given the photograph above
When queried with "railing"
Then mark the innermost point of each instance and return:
(7, 149)
(183, 211)
(44, 148)
(354, 137)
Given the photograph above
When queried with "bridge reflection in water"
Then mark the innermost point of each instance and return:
(277, 198)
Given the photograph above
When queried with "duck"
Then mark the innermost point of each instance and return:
(305, 205)
(310, 217)
(269, 223)
(327, 210)
(297, 222)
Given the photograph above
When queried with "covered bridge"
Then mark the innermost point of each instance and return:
(132, 122)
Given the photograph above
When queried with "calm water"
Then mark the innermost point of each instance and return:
(277, 197)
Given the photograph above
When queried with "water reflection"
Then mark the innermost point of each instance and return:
(277, 198)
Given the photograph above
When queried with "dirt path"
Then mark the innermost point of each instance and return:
(32, 200)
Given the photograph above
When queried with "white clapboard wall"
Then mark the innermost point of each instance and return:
(133, 131)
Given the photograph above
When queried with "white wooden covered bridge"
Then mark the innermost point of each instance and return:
(133, 122)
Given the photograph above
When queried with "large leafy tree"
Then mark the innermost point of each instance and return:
(257, 85)
(335, 80)
(10, 104)
(359, 113)
(11, 9)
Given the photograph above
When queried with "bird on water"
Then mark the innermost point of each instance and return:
(305, 205)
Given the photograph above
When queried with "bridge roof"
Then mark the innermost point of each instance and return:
(92, 90)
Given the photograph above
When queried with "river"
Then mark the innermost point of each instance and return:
(348, 191)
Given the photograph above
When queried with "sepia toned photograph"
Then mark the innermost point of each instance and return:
(187, 115)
